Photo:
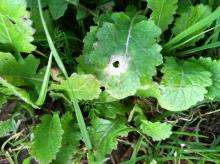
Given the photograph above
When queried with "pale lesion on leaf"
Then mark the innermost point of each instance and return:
(118, 64)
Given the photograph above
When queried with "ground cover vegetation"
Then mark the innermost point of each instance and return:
(109, 81)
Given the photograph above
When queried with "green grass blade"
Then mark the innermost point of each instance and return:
(199, 25)
(201, 48)
(188, 40)
(74, 101)
(189, 134)
(136, 149)
(216, 32)
(43, 91)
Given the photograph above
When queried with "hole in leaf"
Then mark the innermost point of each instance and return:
(116, 64)
(102, 88)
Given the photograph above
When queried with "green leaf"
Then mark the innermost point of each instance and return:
(15, 25)
(74, 102)
(3, 100)
(57, 7)
(212, 66)
(85, 87)
(47, 139)
(7, 126)
(163, 12)
(17, 73)
(149, 90)
(120, 54)
(22, 94)
(35, 16)
(70, 141)
(111, 110)
(158, 131)
(183, 6)
(189, 18)
(183, 84)
(104, 134)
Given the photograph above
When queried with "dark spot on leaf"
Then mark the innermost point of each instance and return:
(102, 88)
(116, 64)
(11, 21)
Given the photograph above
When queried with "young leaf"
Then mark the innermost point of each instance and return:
(212, 66)
(120, 54)
(70, 141)
(7, 126)
(85, 87)
(104, 134)
(47, 139)
(15, 25)
(158, 131)
(22, 94)
(163, 12)
(189, 18)
(17, 73)
(183, 84)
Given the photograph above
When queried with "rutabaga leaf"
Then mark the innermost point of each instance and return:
(47, 139)
(189, 18)
(7, 126)
(104, 134)
(212, 66)
(158, 131)
(23, 73)
(163, 12)
(70, 141)
(15, 25)
(183, 84)
(22, 94)
(85, 87)
(120, 54)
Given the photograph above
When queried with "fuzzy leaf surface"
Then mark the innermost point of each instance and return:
(163, 12)
(47, 139)
(85, 87)
(158, 131)
(183, 84)
(120, 54)
(15, 25)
